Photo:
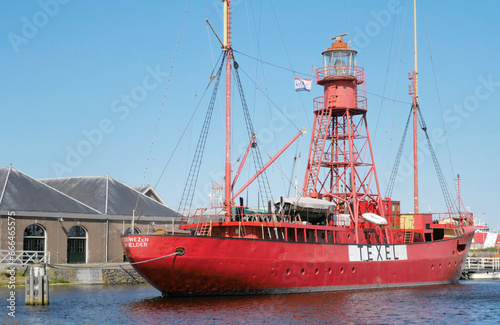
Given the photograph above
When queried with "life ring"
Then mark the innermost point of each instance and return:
(374, 218)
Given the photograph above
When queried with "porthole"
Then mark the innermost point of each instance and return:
(303, 272)
(329, 270)
(341, 270)
(317, 271)
(287, 271)
(353, 270)
(432, 267)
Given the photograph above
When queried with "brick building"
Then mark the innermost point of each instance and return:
(75, 219)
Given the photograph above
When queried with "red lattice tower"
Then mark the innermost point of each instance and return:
(340, 166)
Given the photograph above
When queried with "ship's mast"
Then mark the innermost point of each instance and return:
(227, 48)
(414, 106)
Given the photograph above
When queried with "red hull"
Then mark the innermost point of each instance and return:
(222, 265)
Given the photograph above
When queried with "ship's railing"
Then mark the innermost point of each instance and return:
(342, 101)
(340, 71)
(455, 218)
(204, 215)
(23, 257)
(238, 213)
(482, 263)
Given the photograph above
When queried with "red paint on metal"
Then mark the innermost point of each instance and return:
(268, 164)
(243, 161)
(414, 105)
(227, 187)
(250, 252)
(218, 265)
(340, 165)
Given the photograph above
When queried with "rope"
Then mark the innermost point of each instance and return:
(63, 266)
(155, 259)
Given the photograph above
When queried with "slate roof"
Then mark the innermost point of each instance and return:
(94, 195)
(109, 196)
(20, 192)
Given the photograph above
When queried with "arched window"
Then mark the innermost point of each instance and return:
(77, 245)
(34, 241)
(128, 231)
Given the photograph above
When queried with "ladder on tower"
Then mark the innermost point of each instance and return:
(319, 148)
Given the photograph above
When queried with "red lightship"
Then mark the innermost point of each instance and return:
(340, 235)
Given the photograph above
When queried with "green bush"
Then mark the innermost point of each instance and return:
(58, 280)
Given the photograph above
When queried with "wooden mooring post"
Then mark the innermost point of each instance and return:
(37, 286)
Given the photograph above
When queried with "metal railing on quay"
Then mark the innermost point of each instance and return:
(23, 257)
(482, 263)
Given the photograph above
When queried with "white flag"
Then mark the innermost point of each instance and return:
(303, 84)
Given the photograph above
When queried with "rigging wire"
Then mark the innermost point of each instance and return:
(385, 79)
(277, 166)
(181, 137)
(291, 67)
(437, 91)
(390, 99)
(395, 84)
(190, 186)
(164, 95)
(264, 188)
(274, 65)
(257, 34)
(439, 172)
(281, 35)
(270, 100)
(195, 97)
(394, 89)
(297, 153)
(397, 161)
(185, 129)
(313, 76)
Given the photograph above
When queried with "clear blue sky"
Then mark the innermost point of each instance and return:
(83, 83)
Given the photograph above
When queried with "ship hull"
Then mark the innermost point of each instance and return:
(237, 266)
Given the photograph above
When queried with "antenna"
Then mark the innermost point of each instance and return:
(339, 36)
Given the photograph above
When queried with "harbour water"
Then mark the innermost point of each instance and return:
(468, 302)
